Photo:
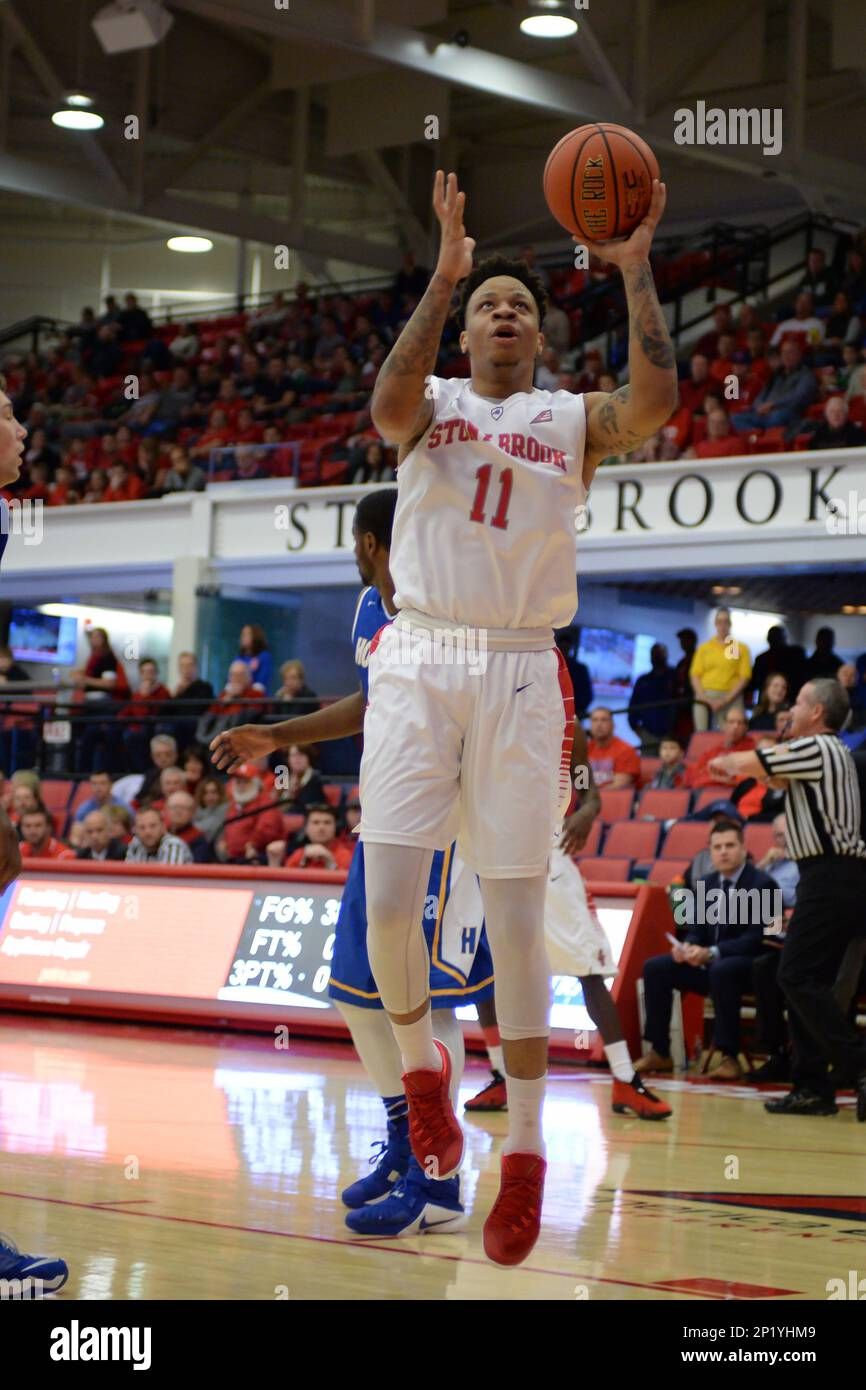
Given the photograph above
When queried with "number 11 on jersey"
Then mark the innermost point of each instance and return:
(500, 516)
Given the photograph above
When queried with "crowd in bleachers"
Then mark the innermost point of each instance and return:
(120, 409)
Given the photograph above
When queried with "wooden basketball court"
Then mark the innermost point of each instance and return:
(173, 1164)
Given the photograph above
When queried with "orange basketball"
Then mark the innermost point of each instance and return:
(598, 181)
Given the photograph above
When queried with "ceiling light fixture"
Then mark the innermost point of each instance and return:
(192, 245)
(72, 119)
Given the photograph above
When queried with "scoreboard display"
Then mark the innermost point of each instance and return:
(205, 947)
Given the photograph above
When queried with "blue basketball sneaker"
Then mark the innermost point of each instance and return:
(416, 1204)
(28, 1276)
(391, 1159)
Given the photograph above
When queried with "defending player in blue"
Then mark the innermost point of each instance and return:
(397, 1197)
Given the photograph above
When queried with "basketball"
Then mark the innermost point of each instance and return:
(598, 181)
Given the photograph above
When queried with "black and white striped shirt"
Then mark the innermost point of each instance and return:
(822, 803)
(170, 850)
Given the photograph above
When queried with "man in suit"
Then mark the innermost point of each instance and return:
(99, 844)
(726, 918)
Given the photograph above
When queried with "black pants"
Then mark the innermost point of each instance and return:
(769, 1000)
(830, 912)
(726, 979)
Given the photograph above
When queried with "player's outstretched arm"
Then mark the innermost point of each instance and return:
(339, 720)
(401, 407)
(10, 852)
(619, 421)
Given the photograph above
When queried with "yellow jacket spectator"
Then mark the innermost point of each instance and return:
(720, 671)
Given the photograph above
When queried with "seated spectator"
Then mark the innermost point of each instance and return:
(672, 773)
(836, 431)
(734, 739)
(755, 800)
(661, 447)
(720, 441)
(62, 492)
(655, 685)
(37, 840)
(138, 715)
(774, 697)
(777, 863)
(37, 487)
(238, 703)
(75, 838)
(152, 843)
(749, 382)
(786, 396)
(781, 656)
(120, 824)
(99, 843)
(321, 848)
(163, 754)
(142, 411)
(803, 328)
(253, 652)
(176, 401)
(182, 475)
(592, 373)
(722, 365)
(185, 345)
(824, 661)
(294, 696)
(376, 467)
(614, 762)
(211, 807)
(100, 795)
(351, 821)
(216, 436)
(124, 485)
(557, 329)
(171, 780)
(547, 370)
(26, 796)
(818, 279)
(842, 326)
(697, 385)
(246, 431)
(708, 344)
(195, 764)
(188, 701)
(303, 787)
(178, 815)
(726, 921)
(252, 821)
(97, 486)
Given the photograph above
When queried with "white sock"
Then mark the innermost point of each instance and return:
(525, 1103)
(619, 1058)
(449, 1030)
(417, 1048)
(497, 1061)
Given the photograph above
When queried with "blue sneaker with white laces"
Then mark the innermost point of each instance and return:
(391, 1157)
(417, 1204)
(28, 1276)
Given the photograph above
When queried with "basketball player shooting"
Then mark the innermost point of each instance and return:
(491, 471)
(20, 1274)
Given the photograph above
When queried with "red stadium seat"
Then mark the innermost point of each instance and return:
(685, 839)
(758, 838)
(353, 794)
(593, 840)
(56, 794)
(616, 804)
(664, 871)
(333, 794)
(606, 870)
(664, 805)
(639, 839)
(648, 769)
(699, 743)
(707, 795)
(292, 823)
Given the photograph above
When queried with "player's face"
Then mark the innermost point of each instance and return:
(502, 324)
(12, 436)
(362, 559)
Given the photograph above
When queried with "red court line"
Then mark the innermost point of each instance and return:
(389, 1249)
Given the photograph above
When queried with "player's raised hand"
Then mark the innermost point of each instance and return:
(635, 248)
(236, 746)
(455, 250)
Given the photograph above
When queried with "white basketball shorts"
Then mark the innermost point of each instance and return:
(474, 751)
(575, 939)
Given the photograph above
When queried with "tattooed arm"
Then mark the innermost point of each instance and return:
(401, 408)
(618, 422)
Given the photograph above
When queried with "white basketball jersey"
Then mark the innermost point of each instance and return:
(484, 531)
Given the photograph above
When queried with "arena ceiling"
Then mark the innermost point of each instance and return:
(304, 125)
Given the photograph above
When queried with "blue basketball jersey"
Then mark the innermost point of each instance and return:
(461, 969)
(370, 616)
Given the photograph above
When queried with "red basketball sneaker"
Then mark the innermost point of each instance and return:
(635, 1096)
(512, 1227)
(493, 1097)
(435, 1135)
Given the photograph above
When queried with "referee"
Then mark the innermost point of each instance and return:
(823, 813)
